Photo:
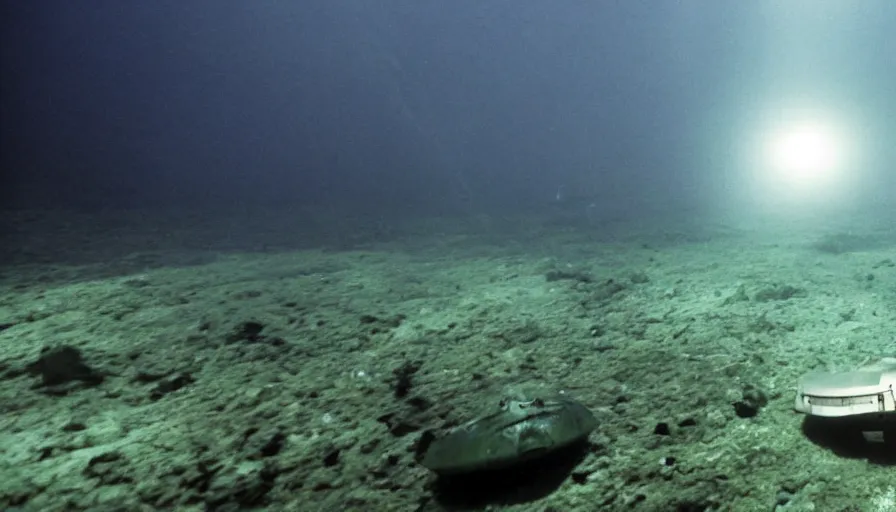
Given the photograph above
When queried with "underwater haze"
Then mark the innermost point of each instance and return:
(270, 255)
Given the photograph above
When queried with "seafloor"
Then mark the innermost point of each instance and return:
(253, 362)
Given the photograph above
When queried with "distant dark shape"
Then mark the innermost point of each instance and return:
(58, 366)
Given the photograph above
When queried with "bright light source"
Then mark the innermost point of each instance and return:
(799, 153)
(805, 152)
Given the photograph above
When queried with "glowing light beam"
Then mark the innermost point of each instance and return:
(806, 153)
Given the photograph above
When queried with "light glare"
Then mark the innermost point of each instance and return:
(808, 152)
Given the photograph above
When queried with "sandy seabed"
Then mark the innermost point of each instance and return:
(170, 362)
